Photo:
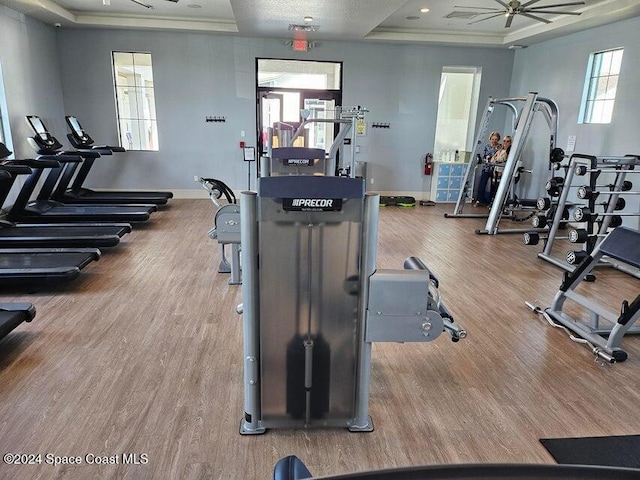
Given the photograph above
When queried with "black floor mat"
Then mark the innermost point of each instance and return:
(616, 451)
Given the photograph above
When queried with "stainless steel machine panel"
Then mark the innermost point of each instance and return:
(308, 307)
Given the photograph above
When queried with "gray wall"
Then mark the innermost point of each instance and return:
(557, 69)
(196, 75)
(31, 75)
(29, 59)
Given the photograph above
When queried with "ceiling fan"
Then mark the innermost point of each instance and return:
(514, 7)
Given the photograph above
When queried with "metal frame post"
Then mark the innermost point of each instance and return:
(251, 423)
(362, 421)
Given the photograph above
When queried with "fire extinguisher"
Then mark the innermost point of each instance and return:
(428, 164)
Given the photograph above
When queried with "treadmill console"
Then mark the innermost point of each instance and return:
(45, 141)
(78, 133)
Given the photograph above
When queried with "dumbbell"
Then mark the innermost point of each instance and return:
(574, 257)
(558, 166)
(585, 212)
(585, 215)
(533, 238)
(540, 221)
(554, 186)
(586, 192)
(575, 236)
(583, 169)
(580, 235)
(544, 203)
(556, 155)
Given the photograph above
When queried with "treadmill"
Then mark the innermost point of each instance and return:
(35, 268)
(76, 193)
(13, 314)
(45, 210)
(13, 235)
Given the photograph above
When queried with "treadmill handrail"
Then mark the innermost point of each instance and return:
(61, 158)
(35, 163)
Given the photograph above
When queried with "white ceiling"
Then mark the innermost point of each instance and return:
(364, 20)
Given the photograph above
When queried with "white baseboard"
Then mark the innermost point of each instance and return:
(190, 193)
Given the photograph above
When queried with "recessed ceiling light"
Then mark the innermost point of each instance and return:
(424, 10)
(308, 18)
(412, 17)
(194, 5)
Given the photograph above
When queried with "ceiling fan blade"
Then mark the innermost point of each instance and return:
(142, 4)
(540, 19)
(498, 12)
(530, 2)
(556, 5)
(486, 18)
(478, 8)
(509, 20)
(552, 13)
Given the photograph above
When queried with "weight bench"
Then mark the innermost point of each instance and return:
(623, 245)
(13, 314)
(226, 226)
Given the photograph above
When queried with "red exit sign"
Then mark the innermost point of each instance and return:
(300, 45)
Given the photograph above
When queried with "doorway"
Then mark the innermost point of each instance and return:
(457, 107)
(286, 87)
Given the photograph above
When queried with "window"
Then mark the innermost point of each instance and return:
(301, 74)
(4, 120)
(600, 88)
(135, 101)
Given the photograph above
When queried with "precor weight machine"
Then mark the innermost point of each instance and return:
(313, 303)
(275, 161)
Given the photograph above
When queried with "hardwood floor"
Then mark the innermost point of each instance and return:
(143, 355)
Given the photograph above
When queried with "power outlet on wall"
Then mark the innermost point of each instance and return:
(372, 181)
(196, 178)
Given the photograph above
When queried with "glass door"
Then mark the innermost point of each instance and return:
(320, 134)
(271, 112)
(284, 88)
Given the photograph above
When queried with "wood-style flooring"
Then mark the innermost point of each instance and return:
(143, 354)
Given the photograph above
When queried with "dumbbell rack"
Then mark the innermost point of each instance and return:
(594, 166)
